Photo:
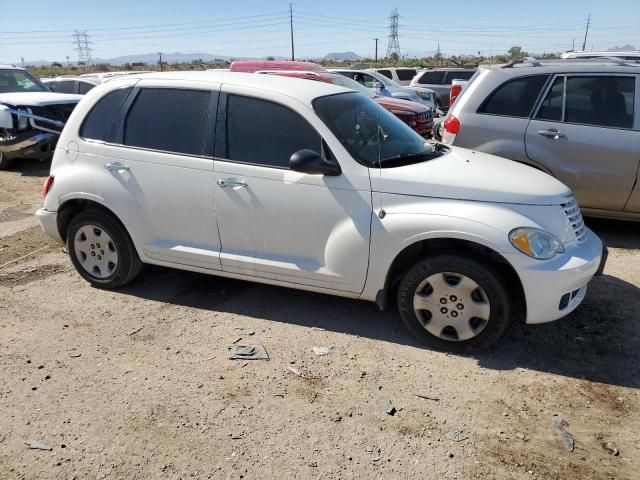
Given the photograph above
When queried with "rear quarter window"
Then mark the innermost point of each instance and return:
(97, 124)
(458, 75)
(405, 74)
(515, 98)
(386, 73)
(432, 78)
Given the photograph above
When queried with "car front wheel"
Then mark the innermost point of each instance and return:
(101, 250)
(454, 302)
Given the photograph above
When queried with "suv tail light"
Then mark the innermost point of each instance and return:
(453, 94)
(451, 129)
(47, 186)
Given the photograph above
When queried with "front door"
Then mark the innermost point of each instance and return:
(585, 133)
(279, 224)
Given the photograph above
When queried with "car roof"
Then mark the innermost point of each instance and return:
(10, 67)
(595, 65)
(446, 69)
(292, 87)
(76, 78)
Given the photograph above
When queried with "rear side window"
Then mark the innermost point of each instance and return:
(84, 87)
(63, 86)
(458, 75)
(266, 133)
(97, 125)
(602, 101)
(432, 78)
(405, 74)
(514, 98)
(386, 73)
(167, 119)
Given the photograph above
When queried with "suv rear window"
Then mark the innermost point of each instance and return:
(167, 119)
(514, 98)
(97, 125)
(432, 78)
(405, 73)
(458, 75)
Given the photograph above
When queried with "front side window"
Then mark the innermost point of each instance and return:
(168, 119)
(432, 78)
(266, 133)
(372, 135)
(405, 74)
(20, 81)
(97, 124)
(551, 107)
(600, 100)
(514, 98)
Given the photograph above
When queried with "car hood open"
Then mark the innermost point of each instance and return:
(38, 99)
(465, 174)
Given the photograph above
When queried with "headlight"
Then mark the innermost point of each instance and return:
(422, 94)
(536, 243)
(23, 122)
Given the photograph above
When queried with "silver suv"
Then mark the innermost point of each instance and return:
(440, 79)
(574, 119)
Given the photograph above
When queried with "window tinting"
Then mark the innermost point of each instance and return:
(167, 119)
(63, 86)
(604, 101)
(405, 74)
(266, 133)
(386, 73)
(458, 75)
(514, 98)
(432, 78)
(84, 87)
(97, 125)
(551, 107)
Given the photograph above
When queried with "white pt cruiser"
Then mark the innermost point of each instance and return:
(312, 186)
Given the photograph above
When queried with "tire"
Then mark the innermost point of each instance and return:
(474, 318)
(111, 264)
(6, 163)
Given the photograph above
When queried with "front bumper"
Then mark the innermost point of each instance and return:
(29, 144)
(554, 288)
(49, 223)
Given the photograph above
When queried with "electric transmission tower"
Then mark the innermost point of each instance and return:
(81, 41)
(393, 48)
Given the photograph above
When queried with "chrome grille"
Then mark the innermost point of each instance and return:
(574, 219)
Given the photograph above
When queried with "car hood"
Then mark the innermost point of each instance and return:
(38, 99)
(469, 175)
(391, 103)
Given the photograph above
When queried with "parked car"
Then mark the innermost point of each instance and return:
(31, 116)
(456, 89)
(312, 186)
(575, 119)
(252, 66)
(70, 84)
(416, 115)
(400, 75)
(377, 81)
(440, 79)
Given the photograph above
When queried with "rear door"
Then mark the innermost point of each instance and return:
(585, 131)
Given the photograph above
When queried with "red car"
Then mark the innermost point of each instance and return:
(414, 114)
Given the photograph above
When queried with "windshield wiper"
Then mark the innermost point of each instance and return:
(406, 157)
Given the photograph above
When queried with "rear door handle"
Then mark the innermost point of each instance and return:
(116, 167)
(226, 182)
(551, 133)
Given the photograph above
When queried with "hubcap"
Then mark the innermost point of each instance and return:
(95, 251)
(451, 306)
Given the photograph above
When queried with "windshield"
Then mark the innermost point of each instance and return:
(19, 81)
(353, 85)
(383, 80)
(372, 135)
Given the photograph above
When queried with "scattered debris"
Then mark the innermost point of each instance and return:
(567, 439)
(611, 448)
(457, 435)
(236, 340)
(426, 397)
(297, 372)
(133, 332)
(319, 329)
(75, 355)
(521, 435)
(381, 400)
(312, 464)
(321, 351)
(248, 352)
(35, 445)
(252, 332)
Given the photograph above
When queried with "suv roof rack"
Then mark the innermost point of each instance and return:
(532, 62)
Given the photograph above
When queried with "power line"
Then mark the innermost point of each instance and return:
(82, 47)
(393, 47)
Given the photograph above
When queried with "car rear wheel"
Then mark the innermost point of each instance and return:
(454, 302)
(101, 250)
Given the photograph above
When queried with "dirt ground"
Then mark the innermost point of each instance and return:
(137, 383)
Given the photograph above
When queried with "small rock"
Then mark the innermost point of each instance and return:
(321, 351)
(520, 435)
(312, 464)
(75, 355)
(457, 435)
(505, 414)
(611, 448)
(337, 418)
(35, 445)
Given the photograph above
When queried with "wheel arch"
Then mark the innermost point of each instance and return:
(70, 208)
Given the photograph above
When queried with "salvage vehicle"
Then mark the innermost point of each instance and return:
(416, 115)
(577, 120)
(400, 75)
(31, 116)
(440, 80)
(313, 186)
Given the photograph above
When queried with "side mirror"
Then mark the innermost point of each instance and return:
(308, 161)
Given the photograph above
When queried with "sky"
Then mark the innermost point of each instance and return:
(42, 29)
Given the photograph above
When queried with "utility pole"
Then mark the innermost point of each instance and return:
(375, 62)
(68, 62)
(584, 44)
(573, 44)
(160, 55)
(22, 60)
(393, 48)
(293, 55)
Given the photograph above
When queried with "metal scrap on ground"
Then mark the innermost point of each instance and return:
(35, 445)
(567, 439)
(381, 400)
(457, 435)
(248, 352)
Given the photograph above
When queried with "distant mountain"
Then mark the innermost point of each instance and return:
(343, 57)
(152, 58)
(624, 48)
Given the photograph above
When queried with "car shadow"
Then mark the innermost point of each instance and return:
(616, 233)
(598, 342)
(31, 168)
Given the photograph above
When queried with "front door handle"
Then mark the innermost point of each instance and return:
(116, 167)
(226, 182)
(551, 133)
